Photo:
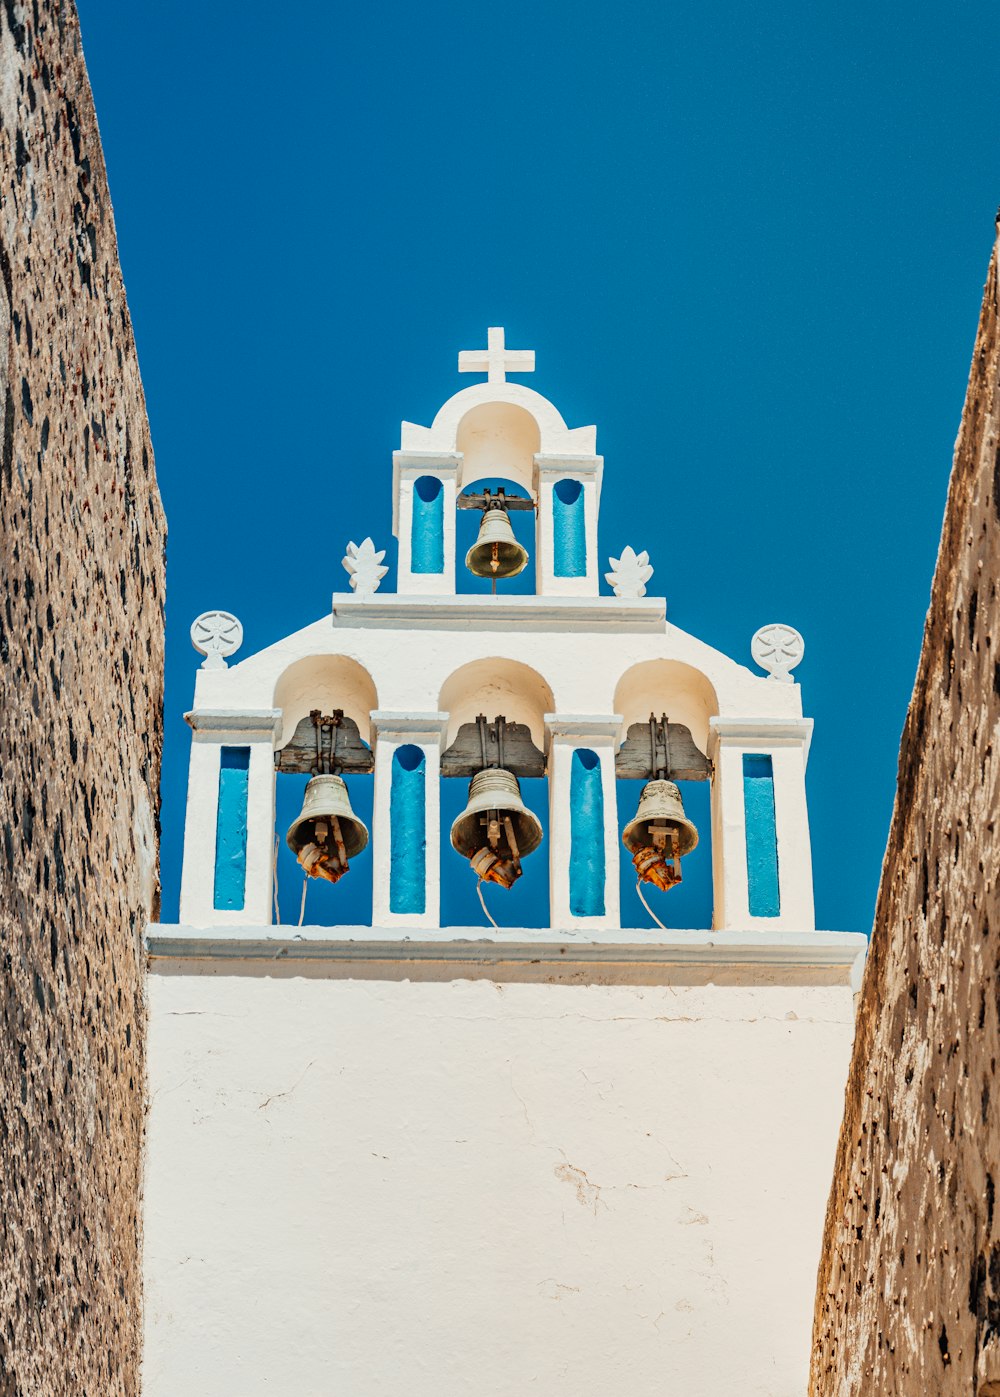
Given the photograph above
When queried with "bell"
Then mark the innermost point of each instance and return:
(660, 835)
(496, 552)
(327, 832)
(496, 829)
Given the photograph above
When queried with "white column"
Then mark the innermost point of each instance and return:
(601, 735)
(786, 742)
(213, 729)
(407, 468)
(390, 731)
(549, 470)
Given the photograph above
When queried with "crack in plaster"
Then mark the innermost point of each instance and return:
(276, 1096)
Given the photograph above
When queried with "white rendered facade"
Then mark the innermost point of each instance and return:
(440, 1160)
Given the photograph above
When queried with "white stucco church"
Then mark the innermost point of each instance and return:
(573, 1159)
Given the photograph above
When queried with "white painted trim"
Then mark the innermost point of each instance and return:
(385, 724)
(774, 732)
(259, 722)
(470, 945)
(549, 463)
(584, 725)
(618, 615)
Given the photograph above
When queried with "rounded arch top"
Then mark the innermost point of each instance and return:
(507, 403)
(325, 682)
(684, 693)
(493, 686)
(497, 438)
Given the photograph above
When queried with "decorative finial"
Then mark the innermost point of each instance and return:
(362, 561)
(495, 361)
(629, 573)
(778, 649)
(216, 634)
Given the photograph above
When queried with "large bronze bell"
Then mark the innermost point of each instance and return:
(496, 829)
(327, 833)
(660, 835)
(496, 552)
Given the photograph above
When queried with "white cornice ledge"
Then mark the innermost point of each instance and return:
(488, 613)
(427, 460)
(820, 951)
(768, 732)
(574, 725)
(385, 723)
(264, 722)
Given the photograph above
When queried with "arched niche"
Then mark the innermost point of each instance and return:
(325, 682)
(679, 690)
(498, 438)
(497, 686)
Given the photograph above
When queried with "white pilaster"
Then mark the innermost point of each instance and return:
(601, 735)
(549, 470)
(407, 468)
(213, 729)
(786, 742)
(391, 731)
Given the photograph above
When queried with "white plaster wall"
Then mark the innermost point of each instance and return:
(362, 1187)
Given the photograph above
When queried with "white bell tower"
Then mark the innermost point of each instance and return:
(376, 1097)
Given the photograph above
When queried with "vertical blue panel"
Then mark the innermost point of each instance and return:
(569, 529)
(408, 831)
(427, 537)
(231, 829)
(762, 836)
(586, 825)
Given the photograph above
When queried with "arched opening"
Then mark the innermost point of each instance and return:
(408, 822)
(427, 541)
(569, 529)
(326, 684)
(684, 693)
(497, 685)
(586, 859)
(518, 693)
(498, 439)
(468, 522)
(687, 698)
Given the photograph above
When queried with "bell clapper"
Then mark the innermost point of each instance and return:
(487, 863)
(341, 852)
(652, 862)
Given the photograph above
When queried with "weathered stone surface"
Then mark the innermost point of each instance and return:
(81, 539)
(908, 1300)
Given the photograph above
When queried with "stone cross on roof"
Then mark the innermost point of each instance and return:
(496, 361)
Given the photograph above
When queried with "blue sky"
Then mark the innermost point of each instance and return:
(748, 242)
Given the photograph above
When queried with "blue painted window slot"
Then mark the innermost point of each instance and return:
(569, 529)
(586, 856)
(408, 825)
(762, 836)
(427, 538)
(231, 830)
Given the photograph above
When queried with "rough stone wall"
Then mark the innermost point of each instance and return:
(908, 1300)
(81, 664)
